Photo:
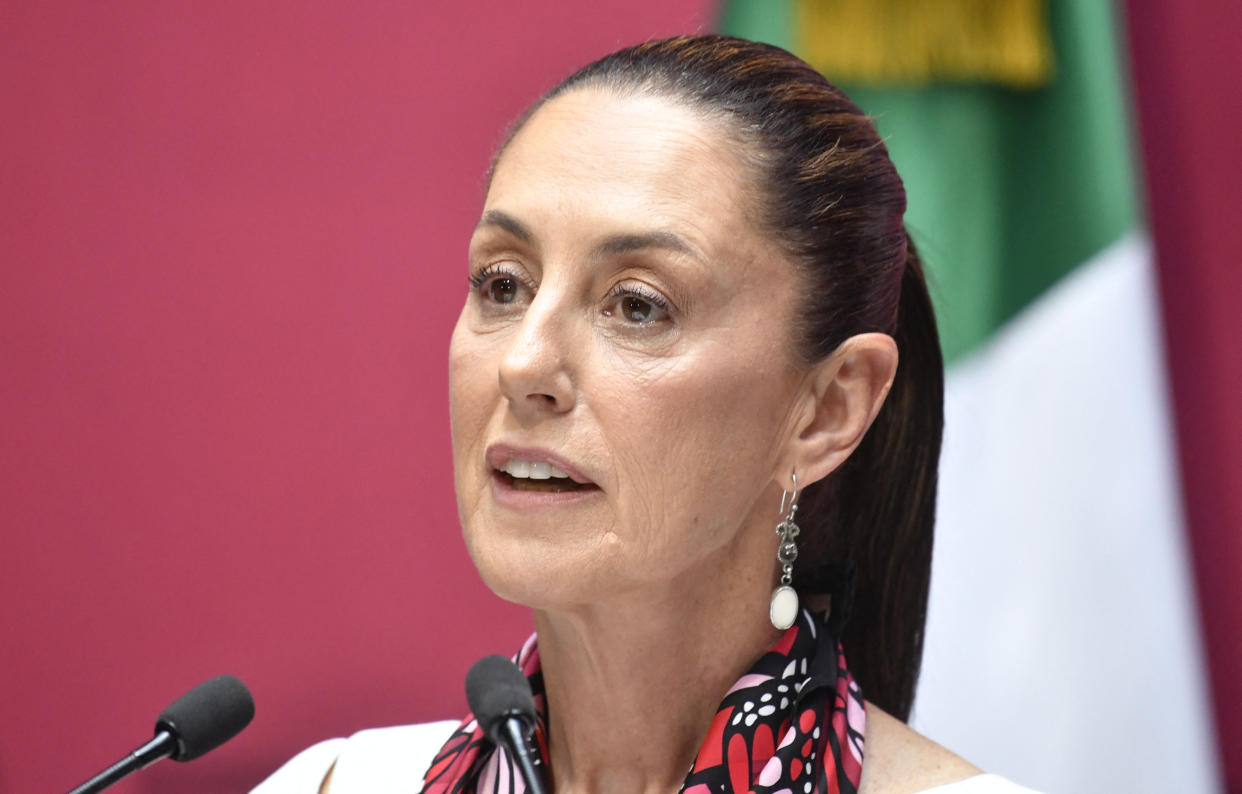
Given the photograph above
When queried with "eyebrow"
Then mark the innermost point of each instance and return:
(507, 222)
(623, 243)
(617, 244)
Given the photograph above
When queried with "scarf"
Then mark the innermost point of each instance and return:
(793, 724)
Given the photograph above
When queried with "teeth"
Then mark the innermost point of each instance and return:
(532, 470)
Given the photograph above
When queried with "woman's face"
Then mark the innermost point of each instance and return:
(628, 326)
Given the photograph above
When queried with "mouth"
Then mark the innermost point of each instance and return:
(539, 476)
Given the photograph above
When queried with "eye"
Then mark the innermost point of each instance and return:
(637, 305)
(502, 289)
(496, 284)
(636, 310)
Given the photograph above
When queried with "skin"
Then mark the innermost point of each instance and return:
(630, 317)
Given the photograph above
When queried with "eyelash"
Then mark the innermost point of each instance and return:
(477, 280)
(623, 290)
(642, 293)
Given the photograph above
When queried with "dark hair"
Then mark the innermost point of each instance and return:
(831, 195)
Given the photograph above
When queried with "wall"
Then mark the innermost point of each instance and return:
(233, 243)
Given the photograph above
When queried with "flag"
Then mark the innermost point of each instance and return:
(1062, 594)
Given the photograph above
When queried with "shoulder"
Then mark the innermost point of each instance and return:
(376, 761)
(900, 760)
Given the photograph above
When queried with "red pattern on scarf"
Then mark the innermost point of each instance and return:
(794, 724)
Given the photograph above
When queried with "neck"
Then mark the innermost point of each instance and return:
(633, 685)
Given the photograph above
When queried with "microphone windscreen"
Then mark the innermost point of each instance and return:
(207, 716)
(495, 689)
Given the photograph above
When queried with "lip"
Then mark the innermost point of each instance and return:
(521, 500)
(499, 454)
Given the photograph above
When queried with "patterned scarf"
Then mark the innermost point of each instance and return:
(792, 725)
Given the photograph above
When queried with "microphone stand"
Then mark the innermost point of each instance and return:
(162, 746)
(513, 735)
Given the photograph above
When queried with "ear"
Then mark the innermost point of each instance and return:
(841, 397)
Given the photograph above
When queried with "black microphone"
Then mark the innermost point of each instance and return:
(196, 723)
(500, 699)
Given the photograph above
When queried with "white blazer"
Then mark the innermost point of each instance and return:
(394, 760)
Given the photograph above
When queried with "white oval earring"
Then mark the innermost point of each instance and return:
(783, 609)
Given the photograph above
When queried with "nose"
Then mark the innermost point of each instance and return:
(534, 376)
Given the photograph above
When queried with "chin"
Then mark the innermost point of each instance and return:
(536, 573)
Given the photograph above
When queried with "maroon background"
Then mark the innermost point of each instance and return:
(233, 238)
(1187, 63)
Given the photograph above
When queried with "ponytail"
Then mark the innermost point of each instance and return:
(878, 510)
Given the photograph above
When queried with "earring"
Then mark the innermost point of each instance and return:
(783, 609)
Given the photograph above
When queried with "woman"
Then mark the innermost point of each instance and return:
(690, 287)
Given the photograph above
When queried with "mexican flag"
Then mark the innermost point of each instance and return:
(1063, 642)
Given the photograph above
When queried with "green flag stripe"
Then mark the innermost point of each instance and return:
(760, 20)
(1009, 190)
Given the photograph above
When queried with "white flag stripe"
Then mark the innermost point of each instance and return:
(1062, 644)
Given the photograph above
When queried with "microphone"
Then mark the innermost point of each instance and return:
(500, 699)
(196, 723)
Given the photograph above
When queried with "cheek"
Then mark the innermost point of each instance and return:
(697, 444)
(469, 367)
(472, 396)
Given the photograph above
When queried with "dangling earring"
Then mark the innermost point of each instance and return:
(783, 609)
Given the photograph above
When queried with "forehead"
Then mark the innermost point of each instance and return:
(640, 157)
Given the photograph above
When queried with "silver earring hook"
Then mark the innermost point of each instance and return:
(793, 501)
(783, 608)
